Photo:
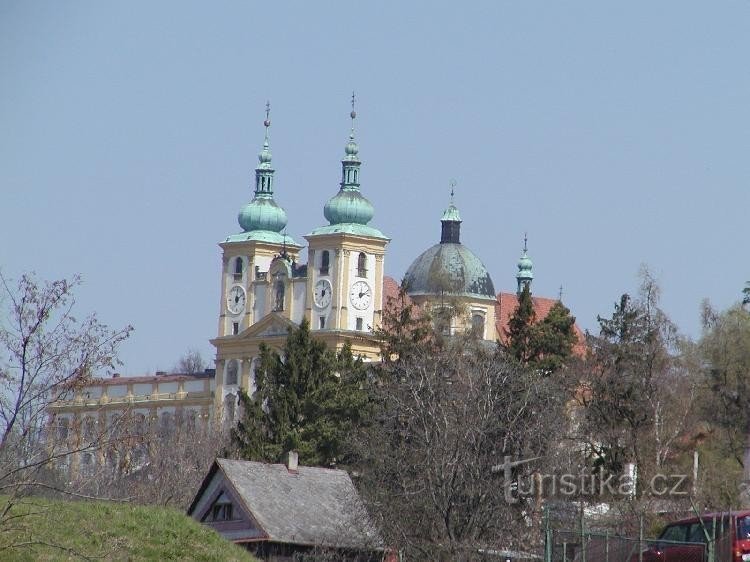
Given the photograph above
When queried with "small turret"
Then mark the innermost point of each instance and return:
(525, 274)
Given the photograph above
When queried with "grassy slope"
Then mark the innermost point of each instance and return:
(115, 531)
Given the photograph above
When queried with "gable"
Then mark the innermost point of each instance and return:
(272, 324)
(219, 506)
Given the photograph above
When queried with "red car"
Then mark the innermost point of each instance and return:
(685, 540)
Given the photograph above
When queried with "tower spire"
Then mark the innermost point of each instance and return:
(525, 274)
(350, 164)
(262, 213)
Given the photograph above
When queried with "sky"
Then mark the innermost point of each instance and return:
(615, 134)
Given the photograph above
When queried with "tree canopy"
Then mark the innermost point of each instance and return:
(307, 399)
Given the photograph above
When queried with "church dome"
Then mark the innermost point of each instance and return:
(262, 213)
(525, 264)
(449, 267)
(348, 206)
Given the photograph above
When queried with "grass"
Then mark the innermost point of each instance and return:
(75, 530)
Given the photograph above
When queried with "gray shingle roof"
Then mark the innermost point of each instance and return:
(316, 506)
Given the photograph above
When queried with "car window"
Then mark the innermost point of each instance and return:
(743, 528)
(696, 533)
(675, 533)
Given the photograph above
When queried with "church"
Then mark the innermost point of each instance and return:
(340, 291)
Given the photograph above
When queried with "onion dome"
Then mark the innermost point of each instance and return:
(449, 267)
(263, 219)
(349, 211)
(525, 273)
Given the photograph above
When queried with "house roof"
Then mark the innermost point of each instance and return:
(312, 506)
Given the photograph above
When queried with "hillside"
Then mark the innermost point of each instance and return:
(114, 531)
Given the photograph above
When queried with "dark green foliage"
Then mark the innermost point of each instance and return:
(521, 332)
(308, 401)
(746, 294)
(555, 338)
(542, 345)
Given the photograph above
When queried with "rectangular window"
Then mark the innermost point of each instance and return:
(235, 328)
(360, 322)
(322, 322)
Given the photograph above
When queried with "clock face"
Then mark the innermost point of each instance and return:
(236, 299)
(360, 295)
(322, 293)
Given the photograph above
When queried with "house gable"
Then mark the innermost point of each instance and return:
(219, 506)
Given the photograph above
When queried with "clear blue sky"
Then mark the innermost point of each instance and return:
(615, 133)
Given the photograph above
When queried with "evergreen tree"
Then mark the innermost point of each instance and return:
(554, 339)
(307, 399)
(521, 334)
(543, 345)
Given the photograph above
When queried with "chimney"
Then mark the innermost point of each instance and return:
(292, 461)
(115, 375)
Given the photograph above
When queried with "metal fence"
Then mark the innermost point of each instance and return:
(584, 545)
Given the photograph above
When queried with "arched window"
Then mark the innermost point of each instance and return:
(232, 369)
(325, 259)
(279, 296)
(238, 267)
(362, 265)
(477, 325)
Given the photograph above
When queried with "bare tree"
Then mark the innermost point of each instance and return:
(154, 463)
(446, 415)
(47, 354)
(190, 363)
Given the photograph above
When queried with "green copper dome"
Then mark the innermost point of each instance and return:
(262, 213)
(348, 206)
(525, 267)
(449, 267)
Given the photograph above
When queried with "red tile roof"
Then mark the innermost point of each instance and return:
(504, 309)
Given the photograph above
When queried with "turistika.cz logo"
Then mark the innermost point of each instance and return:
(583, 484)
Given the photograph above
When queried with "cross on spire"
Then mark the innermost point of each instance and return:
(267, 122)
(453, 186)
(525, 240)
(353, 114)
(561, 294)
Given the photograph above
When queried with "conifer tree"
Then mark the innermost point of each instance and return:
(554, 339)
(307, 398)
(521, 333)
(542, 345)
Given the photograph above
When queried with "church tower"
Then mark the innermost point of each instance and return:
(525, 274)
(345, 258)
(248, 287)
